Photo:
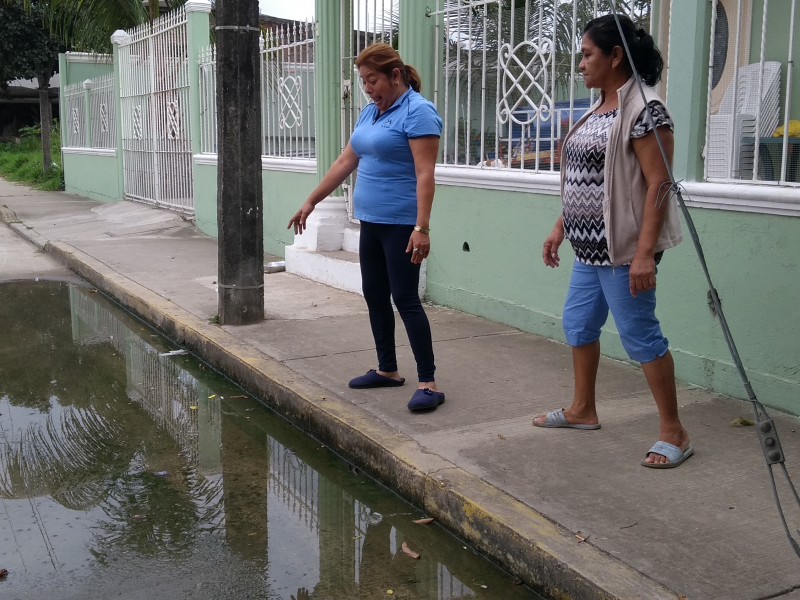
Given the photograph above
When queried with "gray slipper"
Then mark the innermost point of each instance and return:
(675, 456)
(556, 418)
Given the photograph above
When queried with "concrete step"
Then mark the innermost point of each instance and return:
(339, 268)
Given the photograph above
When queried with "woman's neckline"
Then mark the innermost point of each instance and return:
(606, 112)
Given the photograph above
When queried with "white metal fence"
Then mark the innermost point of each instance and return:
(102, 112)
(752, 95)
(73, 130)
(154, 90)
(287, 93)
(208, 100)
(509, 88)
(90, 114)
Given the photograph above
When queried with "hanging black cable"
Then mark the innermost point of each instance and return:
(765, 426)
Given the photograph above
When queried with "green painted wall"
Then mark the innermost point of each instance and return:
(78, 72)
(501, 277)
(92, 176)
(284, 192)
(751, 258)
(204, 185)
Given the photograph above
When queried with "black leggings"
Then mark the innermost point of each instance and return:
(387, 274)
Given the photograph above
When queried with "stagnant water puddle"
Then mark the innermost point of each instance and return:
(129, 470)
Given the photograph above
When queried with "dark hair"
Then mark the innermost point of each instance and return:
(603, 31)
(385, 59)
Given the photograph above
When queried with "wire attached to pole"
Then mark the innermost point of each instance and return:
(765, 426)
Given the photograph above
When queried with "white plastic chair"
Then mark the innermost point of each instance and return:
(725, 154)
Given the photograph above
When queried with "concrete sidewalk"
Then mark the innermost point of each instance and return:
(571, 512)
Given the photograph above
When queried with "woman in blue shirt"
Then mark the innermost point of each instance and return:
(394, 147)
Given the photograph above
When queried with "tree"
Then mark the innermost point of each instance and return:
(28, 50)
(87, 25)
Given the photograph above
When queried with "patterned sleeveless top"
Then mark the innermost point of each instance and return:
(582, 201)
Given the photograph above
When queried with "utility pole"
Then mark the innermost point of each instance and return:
(239, 194)
(46, 117)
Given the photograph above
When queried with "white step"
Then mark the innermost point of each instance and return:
(339, 269)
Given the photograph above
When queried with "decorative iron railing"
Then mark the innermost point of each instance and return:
(509, 86)
(208, 100)
(287, 93)
(90, 113)
(103, 113)
(73, 130)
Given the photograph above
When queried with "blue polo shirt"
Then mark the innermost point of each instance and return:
(386, 183)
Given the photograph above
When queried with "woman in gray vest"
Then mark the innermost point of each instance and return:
(619, 219)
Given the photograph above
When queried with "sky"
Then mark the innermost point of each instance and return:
(299, 10)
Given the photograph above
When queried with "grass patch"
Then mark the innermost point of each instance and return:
(22, 161)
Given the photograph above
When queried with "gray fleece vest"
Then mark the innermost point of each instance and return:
(625, 189)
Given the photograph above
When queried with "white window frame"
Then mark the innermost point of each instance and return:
(754, 195)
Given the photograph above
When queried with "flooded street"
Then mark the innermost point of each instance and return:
(129, 469)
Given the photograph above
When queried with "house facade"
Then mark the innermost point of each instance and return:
(504, 76)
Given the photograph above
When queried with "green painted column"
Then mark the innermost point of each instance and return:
(62, 103)
(328, 79)
(688, 85)
(117, 38)
(197, 23)
(416, 42)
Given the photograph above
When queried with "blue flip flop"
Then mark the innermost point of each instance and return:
(557, 418)
(675, 456)
(425, 400)
(373, 379)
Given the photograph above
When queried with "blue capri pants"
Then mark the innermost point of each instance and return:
(593, 291)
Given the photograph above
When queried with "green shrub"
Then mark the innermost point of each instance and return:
(22, 161)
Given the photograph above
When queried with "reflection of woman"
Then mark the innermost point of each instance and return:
(394, 146)
(619, 221)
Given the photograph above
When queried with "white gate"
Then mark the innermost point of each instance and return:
(364, 22)
(154, 90)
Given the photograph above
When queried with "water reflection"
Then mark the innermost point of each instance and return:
(126, 467)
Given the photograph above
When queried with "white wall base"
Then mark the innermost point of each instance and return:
(337, 269)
